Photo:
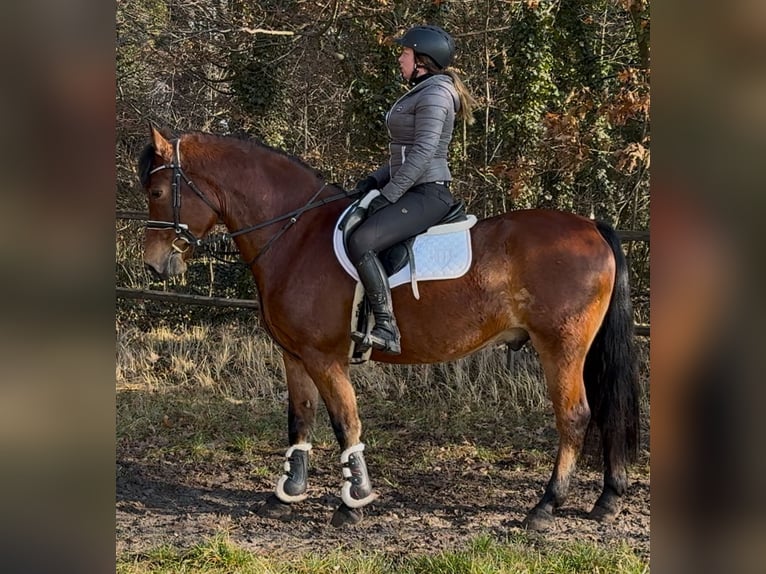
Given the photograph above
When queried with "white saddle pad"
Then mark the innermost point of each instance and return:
(441, 252)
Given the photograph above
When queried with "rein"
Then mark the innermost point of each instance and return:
(182, 230)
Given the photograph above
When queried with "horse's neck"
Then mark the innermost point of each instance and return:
(269, 195)
(272, 186)
(300, 246)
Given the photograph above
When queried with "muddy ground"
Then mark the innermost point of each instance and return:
(427, 502)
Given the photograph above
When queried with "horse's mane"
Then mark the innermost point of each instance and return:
(247, 138)
(147, 154)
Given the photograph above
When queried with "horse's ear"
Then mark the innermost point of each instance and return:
(162, 147)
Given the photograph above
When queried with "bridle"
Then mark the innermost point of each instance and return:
(184, 234)
(182, 230)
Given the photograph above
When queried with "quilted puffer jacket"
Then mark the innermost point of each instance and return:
(420, 127)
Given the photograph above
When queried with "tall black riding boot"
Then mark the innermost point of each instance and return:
(385, 334)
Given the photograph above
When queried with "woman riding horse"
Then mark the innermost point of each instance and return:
(414, 184)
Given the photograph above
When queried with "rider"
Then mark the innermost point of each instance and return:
(414, 184)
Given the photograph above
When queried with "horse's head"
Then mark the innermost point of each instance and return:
(180, 213)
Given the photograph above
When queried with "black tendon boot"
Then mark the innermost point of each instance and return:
(385, 334)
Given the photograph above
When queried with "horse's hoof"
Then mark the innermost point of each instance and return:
(345, 515)
(607, 507)
(538, 520)
(602, 513)
(274, 508)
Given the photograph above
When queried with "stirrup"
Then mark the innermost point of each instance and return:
(367, 340)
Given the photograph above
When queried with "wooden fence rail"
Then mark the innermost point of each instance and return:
(185, 298)
(128, 214)
(625, 235)
(189, 299)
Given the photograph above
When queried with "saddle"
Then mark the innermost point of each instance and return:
(443, 252)
(397, 256)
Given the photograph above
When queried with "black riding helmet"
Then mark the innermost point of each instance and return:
(431, 41)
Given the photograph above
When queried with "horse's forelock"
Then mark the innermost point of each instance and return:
(145, 163)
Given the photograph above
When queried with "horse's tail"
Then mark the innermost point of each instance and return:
(611, 370)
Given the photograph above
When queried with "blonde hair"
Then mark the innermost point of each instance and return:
(467, 102)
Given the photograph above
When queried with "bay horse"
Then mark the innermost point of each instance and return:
(555, 279)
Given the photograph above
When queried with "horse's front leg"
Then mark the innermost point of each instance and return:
(332, 379)
(303, 397)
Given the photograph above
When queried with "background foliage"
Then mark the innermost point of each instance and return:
(563, 86)
(562, 121)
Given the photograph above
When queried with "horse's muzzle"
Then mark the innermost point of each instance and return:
(170, 266)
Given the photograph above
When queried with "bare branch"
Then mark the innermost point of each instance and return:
(267, 32)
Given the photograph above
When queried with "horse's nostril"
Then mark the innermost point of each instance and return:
(175, 265)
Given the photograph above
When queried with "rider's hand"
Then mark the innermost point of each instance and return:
(366, 184)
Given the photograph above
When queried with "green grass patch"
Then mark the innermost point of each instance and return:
(520, 554)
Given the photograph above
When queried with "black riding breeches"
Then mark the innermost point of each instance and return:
(418, 209)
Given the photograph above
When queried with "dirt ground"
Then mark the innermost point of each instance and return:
(425, 505)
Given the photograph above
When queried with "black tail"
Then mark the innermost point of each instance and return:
(611, 370)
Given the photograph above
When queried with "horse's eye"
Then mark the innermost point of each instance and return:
(155, 193)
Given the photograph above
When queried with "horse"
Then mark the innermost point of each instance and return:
(554, 279)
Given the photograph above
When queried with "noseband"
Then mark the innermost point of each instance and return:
(183, 232)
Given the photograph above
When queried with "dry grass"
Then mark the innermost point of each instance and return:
(238, 361)
(228, 360)
(202, 370)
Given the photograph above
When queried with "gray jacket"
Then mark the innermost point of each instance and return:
(420, 129)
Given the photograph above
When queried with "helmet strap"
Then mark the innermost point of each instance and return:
(414, 74)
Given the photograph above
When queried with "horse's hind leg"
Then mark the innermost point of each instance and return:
(608, 504)
(563, 373)
(303, 397)
(332, 379)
